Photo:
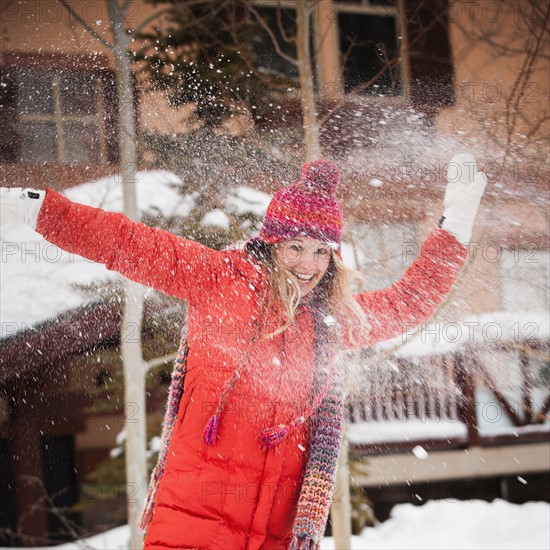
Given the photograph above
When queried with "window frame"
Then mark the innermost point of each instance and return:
(364, 8)
(380, 11)
(59, 118)
(100, 65)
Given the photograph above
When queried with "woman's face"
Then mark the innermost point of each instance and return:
(307, 259)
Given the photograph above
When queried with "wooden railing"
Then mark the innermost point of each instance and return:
(445, 389)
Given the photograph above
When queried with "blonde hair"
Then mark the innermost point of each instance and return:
(335, 293)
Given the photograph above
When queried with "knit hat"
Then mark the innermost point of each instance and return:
(308, 208)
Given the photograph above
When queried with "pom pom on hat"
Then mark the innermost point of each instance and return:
(308, 208)
(320, 175)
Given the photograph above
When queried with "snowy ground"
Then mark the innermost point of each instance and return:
(438, 525)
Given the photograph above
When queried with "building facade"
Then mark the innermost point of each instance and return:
(380, 67)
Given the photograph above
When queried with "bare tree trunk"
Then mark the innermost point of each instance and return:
(405, 64)
(132, 357)
(134, 407)
(340, 512)
(311, 125)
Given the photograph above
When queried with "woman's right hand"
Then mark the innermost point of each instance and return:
(20, 206)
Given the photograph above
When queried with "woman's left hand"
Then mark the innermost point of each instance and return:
(465, 187)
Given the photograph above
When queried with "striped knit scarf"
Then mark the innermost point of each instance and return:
(318, 482)
(319, 477)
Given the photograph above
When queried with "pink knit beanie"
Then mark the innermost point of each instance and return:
(308, 208)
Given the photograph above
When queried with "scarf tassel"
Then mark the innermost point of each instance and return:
(274, 435)
(303, 543)
(211, 430)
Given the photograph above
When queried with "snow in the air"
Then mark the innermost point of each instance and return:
(437, 525)
(37, 279)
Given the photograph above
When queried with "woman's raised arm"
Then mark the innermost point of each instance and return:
(414, 298)
(152, 257)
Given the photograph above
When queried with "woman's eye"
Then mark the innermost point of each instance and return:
(322, 251)
(295, 247)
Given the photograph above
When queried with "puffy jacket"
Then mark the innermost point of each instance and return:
(236, 494)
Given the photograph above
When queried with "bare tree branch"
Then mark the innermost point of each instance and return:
(148, 20)
(272, 36)
(279, 14)
(538, 124)
(522, 81)
(87, 27)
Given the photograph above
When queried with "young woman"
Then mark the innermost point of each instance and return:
(254, 418)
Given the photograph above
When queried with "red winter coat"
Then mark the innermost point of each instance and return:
(235, 494)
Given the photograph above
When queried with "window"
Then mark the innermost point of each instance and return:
(59, 117)
(383, 252)
(358, 43)
(60, 484)
(368, 42)
(58, 108)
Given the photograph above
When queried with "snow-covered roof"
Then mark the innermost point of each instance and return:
(411, 429)
(37, 280)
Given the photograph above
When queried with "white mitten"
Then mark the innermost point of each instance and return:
(465, 187)
(20, 206)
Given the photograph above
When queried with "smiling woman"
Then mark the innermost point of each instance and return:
(254, 417)
(307, 259)
(300, 243)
